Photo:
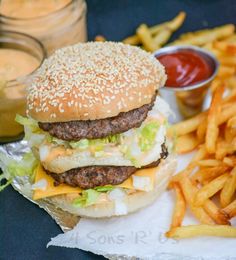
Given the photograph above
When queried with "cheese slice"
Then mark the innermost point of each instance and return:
(52, 190)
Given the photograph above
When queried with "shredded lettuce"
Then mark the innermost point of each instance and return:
(90, 196)
(104, 188)
(148, 135)
(82, 144)
(13, 168)
(31, 123)
(55, 140)
(96, 145)
(25, 167)
(142, 140)
(33, 134)
(87, 198)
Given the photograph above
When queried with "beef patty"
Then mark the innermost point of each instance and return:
(93, 129)
(93, 176)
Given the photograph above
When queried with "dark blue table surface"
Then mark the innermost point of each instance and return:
(24, 228)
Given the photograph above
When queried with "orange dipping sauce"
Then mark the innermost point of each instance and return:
(184, 68)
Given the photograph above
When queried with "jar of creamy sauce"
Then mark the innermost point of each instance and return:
(56, 23)
(20, 56)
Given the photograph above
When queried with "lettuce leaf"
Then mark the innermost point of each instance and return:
(96, 145)
(25, 121)
(90, 196)
(33, 134)
(13, 168)
(87, 198)
(82, 144)
(104, 188)
(148, 135)
(24, 167)
(57, 141)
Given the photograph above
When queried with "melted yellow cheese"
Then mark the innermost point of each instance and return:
(52, 190)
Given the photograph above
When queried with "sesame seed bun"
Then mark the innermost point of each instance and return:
(133, 201)
(94, 80)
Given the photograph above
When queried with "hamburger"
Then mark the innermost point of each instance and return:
(97, 128)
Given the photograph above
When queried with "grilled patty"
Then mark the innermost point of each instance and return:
(93, 129)
(93, 176)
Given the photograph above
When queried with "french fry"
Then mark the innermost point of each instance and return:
(230, 99)
(220, 217)
(209, 163)
(225, 71)
(202, 37)
(172, 25)
(189, 125)
(180, 207)
(217, 83)
(210, 189)
(232, 122)
(162, 37)
(189, 193)
(100, 38)
(228, 61)
(132, 40)
(225, 148)
(228, 47)
(228, 189)
(146, 38)
(200, 154)
(202, 230)
(212, 126)
(209, 173)
(211, 209)
(231, 209)
(230, 161)
(201, 131)
(231, 38)
(186, 143)
(222, 149)
(229, 134)
(209, 46)
(182, 174)
(231, 82)
(175, 23)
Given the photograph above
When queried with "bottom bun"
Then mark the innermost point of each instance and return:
(133, 201)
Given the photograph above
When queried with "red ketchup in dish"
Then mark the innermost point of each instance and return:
(184, 68)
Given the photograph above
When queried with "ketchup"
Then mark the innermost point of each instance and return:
(184, 68)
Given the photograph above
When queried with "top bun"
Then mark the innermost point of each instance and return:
(93, 80)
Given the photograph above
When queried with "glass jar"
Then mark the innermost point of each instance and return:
(20, 56)
(56, 23)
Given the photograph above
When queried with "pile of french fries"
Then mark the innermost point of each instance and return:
(208, 184)
(153, 38)
(206, 36)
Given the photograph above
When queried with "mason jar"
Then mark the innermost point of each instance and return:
(20, 56)
(56, 23)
